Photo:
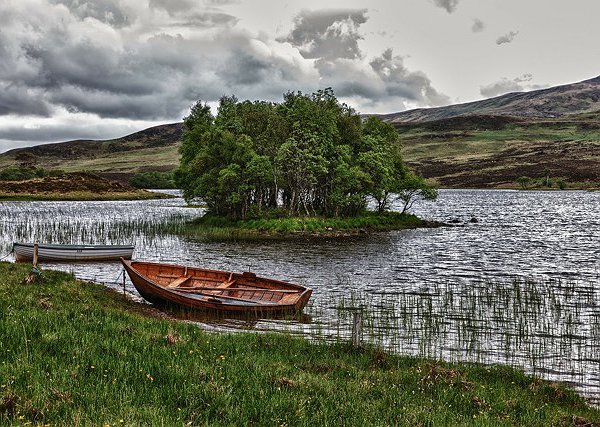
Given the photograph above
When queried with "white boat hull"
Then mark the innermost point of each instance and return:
(24, 252)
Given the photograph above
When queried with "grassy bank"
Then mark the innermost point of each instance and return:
(85, 196)
(72, 186)
(73, 353)
(216, 227)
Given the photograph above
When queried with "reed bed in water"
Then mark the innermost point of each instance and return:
(550, 328)
(78, 223)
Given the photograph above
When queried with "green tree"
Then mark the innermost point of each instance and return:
(310, 155)
(411, 188)
(524, 182)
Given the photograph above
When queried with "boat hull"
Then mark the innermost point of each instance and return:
(68, 253)
(293, 300)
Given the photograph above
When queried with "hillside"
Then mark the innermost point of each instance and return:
(494, 152)
(491, 143)
(554, 102)
(152, 149)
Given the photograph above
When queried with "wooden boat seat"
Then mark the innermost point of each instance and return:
(179, 281)
(226, 284)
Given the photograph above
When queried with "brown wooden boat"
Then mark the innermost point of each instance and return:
(203, 289)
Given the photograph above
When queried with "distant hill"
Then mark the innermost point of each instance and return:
(554, 102)
(152, 149)
(490, 143)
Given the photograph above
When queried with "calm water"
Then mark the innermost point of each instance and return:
(517, 285)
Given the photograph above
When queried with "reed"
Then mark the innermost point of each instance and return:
(549, 328)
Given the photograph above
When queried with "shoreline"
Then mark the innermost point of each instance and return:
(222, 228)
(121, 363)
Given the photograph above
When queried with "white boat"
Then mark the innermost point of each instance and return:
(24, 252)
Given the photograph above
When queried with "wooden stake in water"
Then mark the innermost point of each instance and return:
(356, 328)
(123, 282)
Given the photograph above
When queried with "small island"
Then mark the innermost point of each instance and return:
(309, 165)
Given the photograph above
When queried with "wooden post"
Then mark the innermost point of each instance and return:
(35, 254)
(124, 282)
(33, 274)
(356, 328)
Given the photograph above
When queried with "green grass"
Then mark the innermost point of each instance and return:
(216, 227)
(163, 158)
(75, 353)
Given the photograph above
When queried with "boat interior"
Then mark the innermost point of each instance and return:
(231, 286)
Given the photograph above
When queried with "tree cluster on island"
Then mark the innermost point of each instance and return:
(307, 156)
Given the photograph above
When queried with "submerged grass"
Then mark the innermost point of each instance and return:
(74, 353)
(217, 227)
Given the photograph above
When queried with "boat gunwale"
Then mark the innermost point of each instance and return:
(300, 288)
(58, 246)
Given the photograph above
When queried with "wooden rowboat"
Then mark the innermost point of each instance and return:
(24, 252)
(214, 290)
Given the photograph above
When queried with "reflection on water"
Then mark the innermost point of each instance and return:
(514, 281)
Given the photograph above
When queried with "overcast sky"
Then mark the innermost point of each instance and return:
(99, 69)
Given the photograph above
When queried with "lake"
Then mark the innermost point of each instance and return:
(515, 279)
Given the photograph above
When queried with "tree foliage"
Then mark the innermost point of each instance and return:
(309, 155)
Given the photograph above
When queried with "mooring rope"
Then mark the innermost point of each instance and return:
(6, 256)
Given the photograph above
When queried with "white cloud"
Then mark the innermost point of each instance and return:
(505, 85)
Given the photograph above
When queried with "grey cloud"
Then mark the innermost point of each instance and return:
(505, 85)
(67, 64)
(188, 14)
(242, 68)
(107, 11)
(22, 101)
(172, 6)
(385, 81)
(221, 2)
(117, 105)
(507, 38)
(328, 34)
(61, 131)
(478, 25)
(51, 61)
(207, 20)
(141, 79)
(449, 5)
(414, 86)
